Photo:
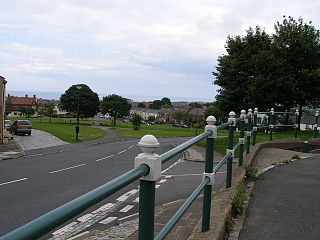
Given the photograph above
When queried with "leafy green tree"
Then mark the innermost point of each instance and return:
(27, 111)
(179, 116)
(136, 121)
(141, 105)
(166, 101)
(49, 110)
(87, 99)
(236, 70)
(195, 105)
(151, 119)
(297, 45)
(116, 106)
(156, 104)
(216, 112)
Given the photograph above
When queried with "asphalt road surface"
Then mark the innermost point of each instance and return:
(34, 185)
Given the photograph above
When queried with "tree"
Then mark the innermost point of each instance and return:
(156, 104)
(166, 101)
(87, 99)
(297, 45)
(264, 71)
(116, 106)
(49, 110)
(195, 105)
(215, 111)
(178, 116)
(27, 111)
(236, 70)
(141, 105)
(151, 119)
(136, 121)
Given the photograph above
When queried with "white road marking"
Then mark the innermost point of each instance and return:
(108, 220)
(168, 176)
(126, 208)
(14, 181)
(125, 196)
(64, 229)
(163, 180)
(136, 200)
(132, 215)
(68, 168)
(79, 235)
(130, 147)
(104, 158)
(177, 162)
(85, 218)
(104, 208)
(122, 151)
(157, 186)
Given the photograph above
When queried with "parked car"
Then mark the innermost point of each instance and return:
(7, 124)
(21, 126)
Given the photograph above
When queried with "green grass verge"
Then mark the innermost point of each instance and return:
(66, 132)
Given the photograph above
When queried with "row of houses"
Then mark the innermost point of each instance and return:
(167, 114)
(14, 104)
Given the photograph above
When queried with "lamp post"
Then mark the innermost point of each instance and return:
(77, 127)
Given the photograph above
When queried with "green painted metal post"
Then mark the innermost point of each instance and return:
(271, 123)
(232, 125)
(242, 138)
(316, 124)
(148, 145)
(146, 209)
(305, 147)
(296, 126)
(255, 130)
(249, 130)
(206, 208)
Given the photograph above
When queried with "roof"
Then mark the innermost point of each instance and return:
(21, 101)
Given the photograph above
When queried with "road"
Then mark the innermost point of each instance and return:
(33, 185)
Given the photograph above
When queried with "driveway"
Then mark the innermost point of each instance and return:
(38, 139)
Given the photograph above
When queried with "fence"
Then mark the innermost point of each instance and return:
(148, 170)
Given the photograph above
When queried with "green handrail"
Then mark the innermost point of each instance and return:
(175, 218)
(223, 126)
(53, 219)
(179, 149)
(219, 165)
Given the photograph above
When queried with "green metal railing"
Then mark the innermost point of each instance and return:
(148, 170)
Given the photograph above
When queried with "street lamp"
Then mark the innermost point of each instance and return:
(77, 127)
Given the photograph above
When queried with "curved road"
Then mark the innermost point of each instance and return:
(48, 178)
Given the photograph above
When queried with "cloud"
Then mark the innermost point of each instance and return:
(128, 47)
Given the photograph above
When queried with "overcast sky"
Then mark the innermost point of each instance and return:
(139, 49)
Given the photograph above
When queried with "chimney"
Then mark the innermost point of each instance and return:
(26, 95)
(34, 96)
(8, 95)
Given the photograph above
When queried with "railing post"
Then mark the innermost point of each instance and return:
(242, 139)
(316, 124)
(305, 147)
(271, 123)
(206, 208)
(249, 116)
(255, 129)
(148, 144)
(230, 152)
(296, 126)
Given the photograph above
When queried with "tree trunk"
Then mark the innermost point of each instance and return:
(287, 116)
(114, 121)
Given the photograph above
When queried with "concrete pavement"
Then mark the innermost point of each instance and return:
(285, 203)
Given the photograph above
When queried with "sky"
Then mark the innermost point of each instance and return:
(143, 50)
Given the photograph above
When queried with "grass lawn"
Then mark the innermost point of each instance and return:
(65, 132)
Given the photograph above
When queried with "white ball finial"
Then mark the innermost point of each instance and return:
(272, 109)
(243, 111)
(211, 120)
(148, 143)
(232, 114)
(249, 110)
(297, 112)
(317, 113)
